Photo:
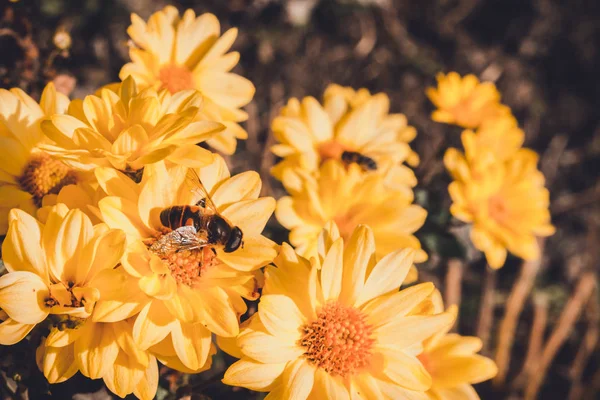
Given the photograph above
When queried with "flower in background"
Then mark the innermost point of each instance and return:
(452, 362)
(126, 129)
(28, 174)
(185, 295)
(464, 101)
(339, 328)
(506, 203)
(352, 127)
(188, 53)
(349, 197)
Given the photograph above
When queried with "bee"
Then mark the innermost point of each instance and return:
(365, 162)
(196, 227)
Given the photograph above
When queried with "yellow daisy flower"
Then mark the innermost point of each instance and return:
(181, 290)
(464, 101)
(452, 362)
(337, 329)
(349, 197)
(126, 129)
(353, 127)
(506, 203)
(188, 53)
(28, 174)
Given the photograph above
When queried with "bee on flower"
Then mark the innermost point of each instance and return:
(465, 101)
(337, 327)
(353, 127)
(27, 173)
(186, 268)
(452, 360)
(185, 52)
(348, 197)
(125, 128)
(506, 203)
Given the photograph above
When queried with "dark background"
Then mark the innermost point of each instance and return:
(544, 56)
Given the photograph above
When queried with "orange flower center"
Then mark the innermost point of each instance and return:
(186, 266)
(176, 78)
(345, 225)
(44, 175)
(497, 208)
(339, 340)
(331, 149)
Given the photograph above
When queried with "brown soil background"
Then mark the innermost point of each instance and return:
(544, 55)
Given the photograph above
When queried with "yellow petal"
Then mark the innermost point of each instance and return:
(120, 213)
(73, 234)
(331, 271)
(327, 386)
(152, 325)
(21, 249)
(59, 363)
(120, 297)
(403, 332)
(104, 251)
(96, 350)
(297, 379)
(280, 316)
(385, 309)
(218, 313)
(122, 377)
(255, 252)
(124, 337)
(12, 332)
(192, 343)
(268, 349)
(359, 253)
(250, 216)
(148, 385)
(115, 183)
(405, 370)
(253, 375)
(464, 369)
(387, 275)
(22, 297)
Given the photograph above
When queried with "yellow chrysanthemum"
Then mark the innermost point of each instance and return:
(28, 174)
(349, 126)
(464, 101)
(338, 328)
(350, 197)
(496, 140)
(506, 203)
(188, 294)
(188, 53)
(452, 362)
(126, 129)
(56, 273)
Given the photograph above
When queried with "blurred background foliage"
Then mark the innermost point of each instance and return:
(544, 56)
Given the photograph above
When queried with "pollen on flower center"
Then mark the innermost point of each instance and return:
(331, 149)
(176, 78)
(44, 175)
(339, 340)
(186, 266)
(497, 208)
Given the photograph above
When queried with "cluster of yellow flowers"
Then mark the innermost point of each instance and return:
(127, 244)
(497, 186)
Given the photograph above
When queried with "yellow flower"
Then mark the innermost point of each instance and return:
(496, 140)
(452, 362)
(189, 53)
(27, 174)
(126, 129)
(465, 101)
(354, 127)
(337, 328)
(191, 293)
(56, 273)
(350, 197)
(506, 203)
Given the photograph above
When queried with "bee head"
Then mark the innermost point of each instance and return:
(235, 240)
(218, 230)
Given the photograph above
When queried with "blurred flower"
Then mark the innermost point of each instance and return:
(339, 328)
(452, 362)
(353, 127)
(506, 203)
(28, 174)
(189, 53)
(122, 128)
(349, 197)
(465, 101)
(185, 293)
(496, 140)
(62, 39)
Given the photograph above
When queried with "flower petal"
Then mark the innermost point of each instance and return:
(406, 371)
(281, 316)
(332, 271)
(385, 309)
(298, 379)
(253, 375)
(404, 332)
(192, 343)
(12, 332)
(59, 363)
(22, 297)
(96, 350)
(358, 256)
(21, 249)
(152, 325)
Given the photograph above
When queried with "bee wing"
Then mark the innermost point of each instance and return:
(193, 181)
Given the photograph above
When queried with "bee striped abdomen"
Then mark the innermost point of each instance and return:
(178, 216)
(366, 163)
